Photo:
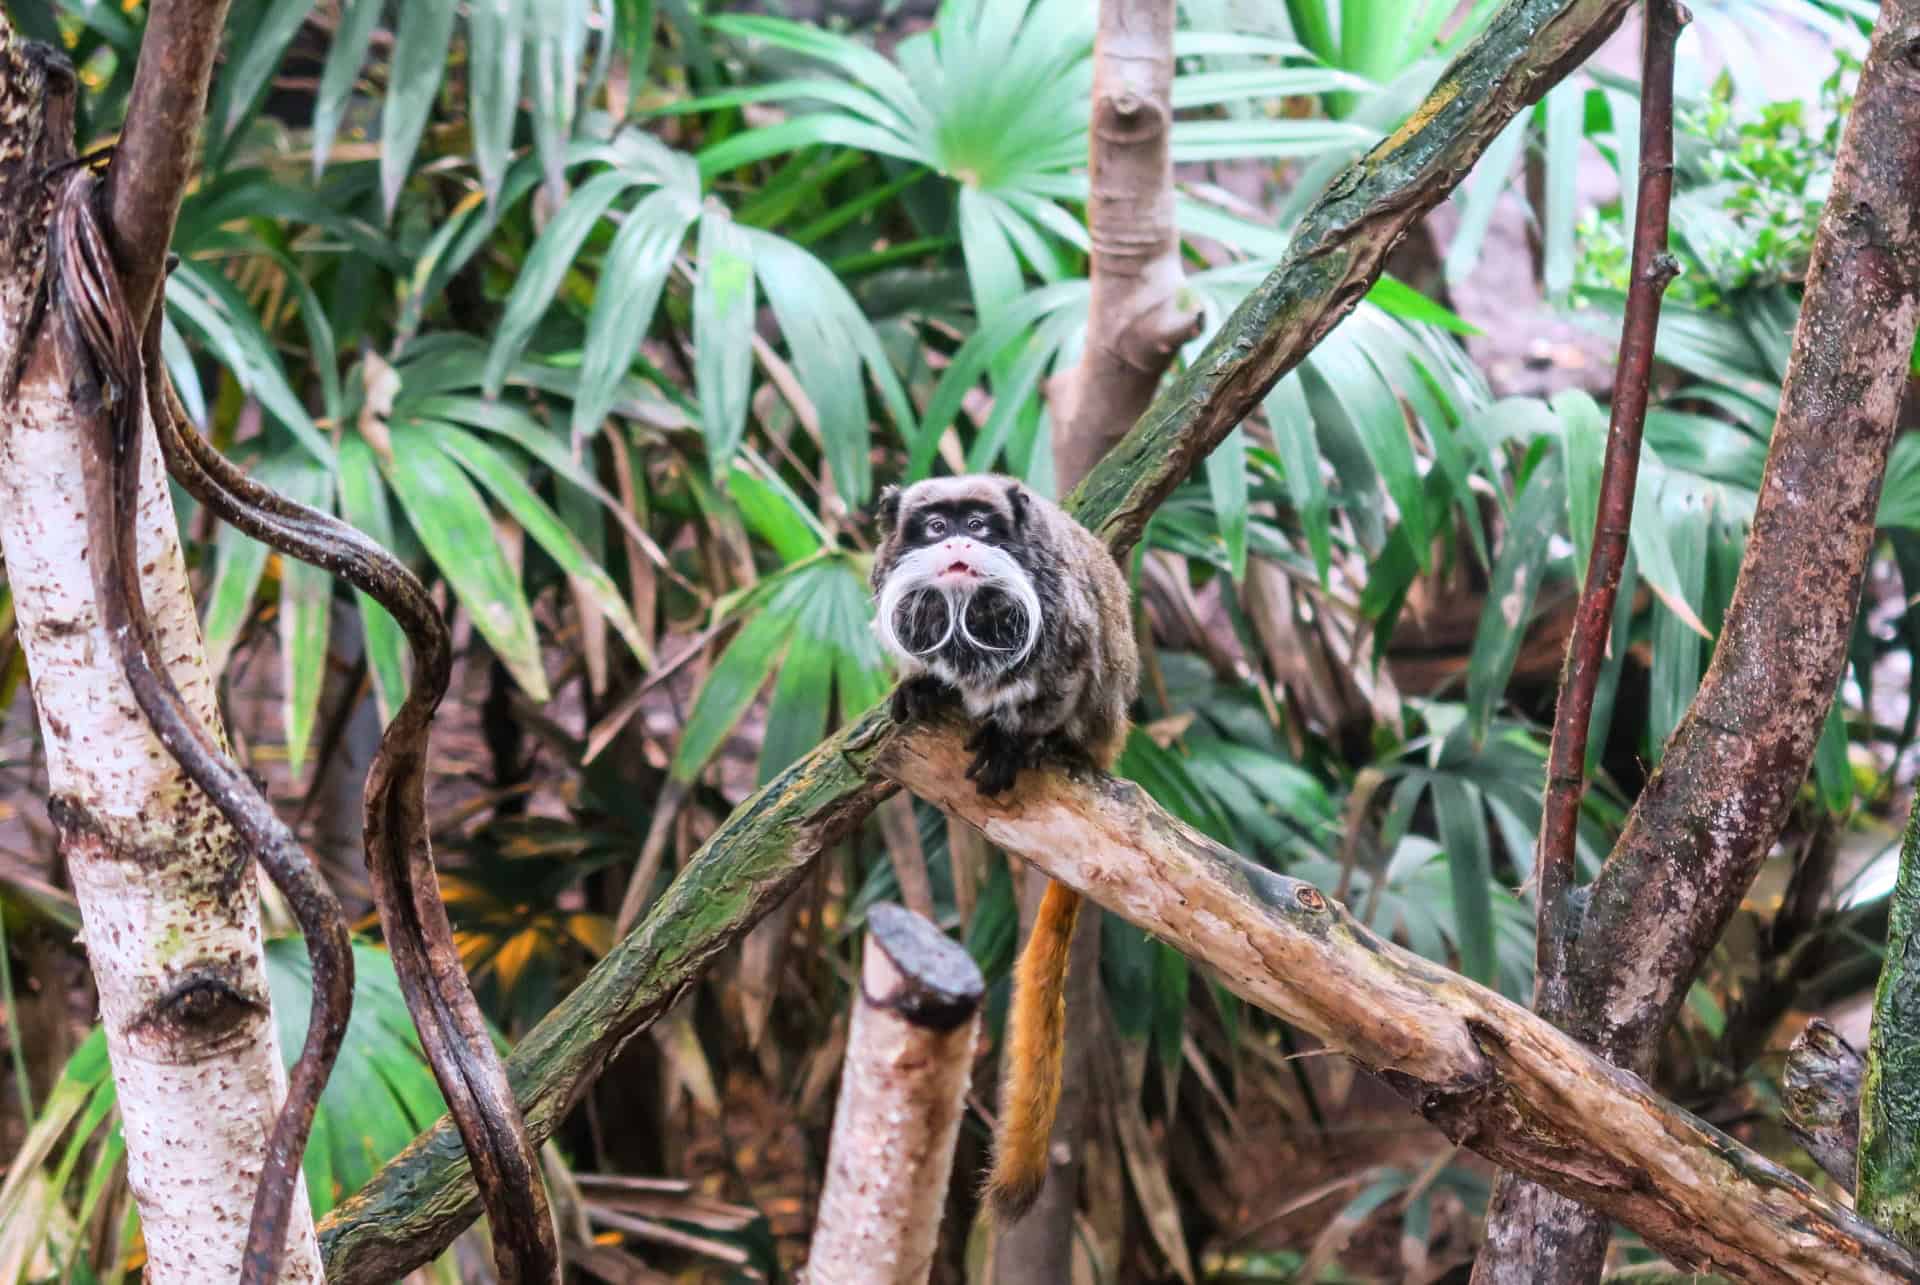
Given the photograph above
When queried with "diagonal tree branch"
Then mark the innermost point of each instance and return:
(1338, 252)
(1491, 1075)
(420, 1201)
(1706, 820)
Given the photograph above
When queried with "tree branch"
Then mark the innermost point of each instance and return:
(1338, 251)
(1138, 315)
(417, 1203)
(916, 1018)
(1491, 1075)
(1710, 813)
(1652, 268)
(154, 157)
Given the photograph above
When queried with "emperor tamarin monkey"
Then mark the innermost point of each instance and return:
(990, 595)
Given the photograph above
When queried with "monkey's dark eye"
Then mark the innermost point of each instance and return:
(936, 527)
(978, 526)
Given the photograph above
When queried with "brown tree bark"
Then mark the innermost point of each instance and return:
(1491, 1075)
(1139, 314)
(1820, 1089)
(1707, 818)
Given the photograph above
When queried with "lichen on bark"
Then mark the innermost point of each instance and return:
(1888, 1177)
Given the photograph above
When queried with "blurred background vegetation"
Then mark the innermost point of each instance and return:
(613, 315)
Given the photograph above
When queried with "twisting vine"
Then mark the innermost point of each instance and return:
(399, 851)
(89, 302)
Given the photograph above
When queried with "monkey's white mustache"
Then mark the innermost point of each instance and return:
(918, 573)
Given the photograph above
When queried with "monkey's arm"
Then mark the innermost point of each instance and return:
(918, 697)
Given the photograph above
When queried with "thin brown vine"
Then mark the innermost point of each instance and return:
(419, 937)
(89, 302)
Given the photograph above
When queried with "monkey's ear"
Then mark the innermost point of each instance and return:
(1017, 501)
(887, 511)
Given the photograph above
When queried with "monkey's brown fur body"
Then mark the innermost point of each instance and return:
(1066, 692)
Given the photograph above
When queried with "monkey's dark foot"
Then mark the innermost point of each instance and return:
(1057, 747)
(918, 697)
(997, 759)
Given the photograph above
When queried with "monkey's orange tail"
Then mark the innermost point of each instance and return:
(1036, 1034)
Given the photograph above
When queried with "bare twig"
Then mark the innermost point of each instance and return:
(1652, 269)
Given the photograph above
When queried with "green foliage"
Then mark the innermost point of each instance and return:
(1750, 188)
(613, 322)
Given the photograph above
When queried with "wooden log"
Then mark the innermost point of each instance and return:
(903, 1090)
(1821, 1090)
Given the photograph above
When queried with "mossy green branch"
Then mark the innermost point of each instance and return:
(423, 1198)
(1338, 251)
(1888, 1181)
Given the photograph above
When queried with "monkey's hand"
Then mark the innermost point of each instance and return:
(998, 757)
(918, 697)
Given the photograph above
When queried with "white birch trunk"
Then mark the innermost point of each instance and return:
(166, 892)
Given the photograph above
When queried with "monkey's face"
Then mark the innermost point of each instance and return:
(954, 597)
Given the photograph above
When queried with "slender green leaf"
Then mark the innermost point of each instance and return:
(819, 331)
(546, 265)
(1227, 481)
(1684, 523)
(797, 716)
(1508, 609)
(452, 521)
(494, 45)
(773, 514)
(723, 308)
(1565, 112)
(306, 593)
(732, 686)
(1295, 442)
(1585, 447)
(1832, 772)
(1478, 196)
(559, 37)
(625, 298)
(211, 307)
(257, 57)
(363, 502)
(345, 55)
(419, 59)
(239, 561)
(503, 481)
(1463, 830)
(992, 268)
